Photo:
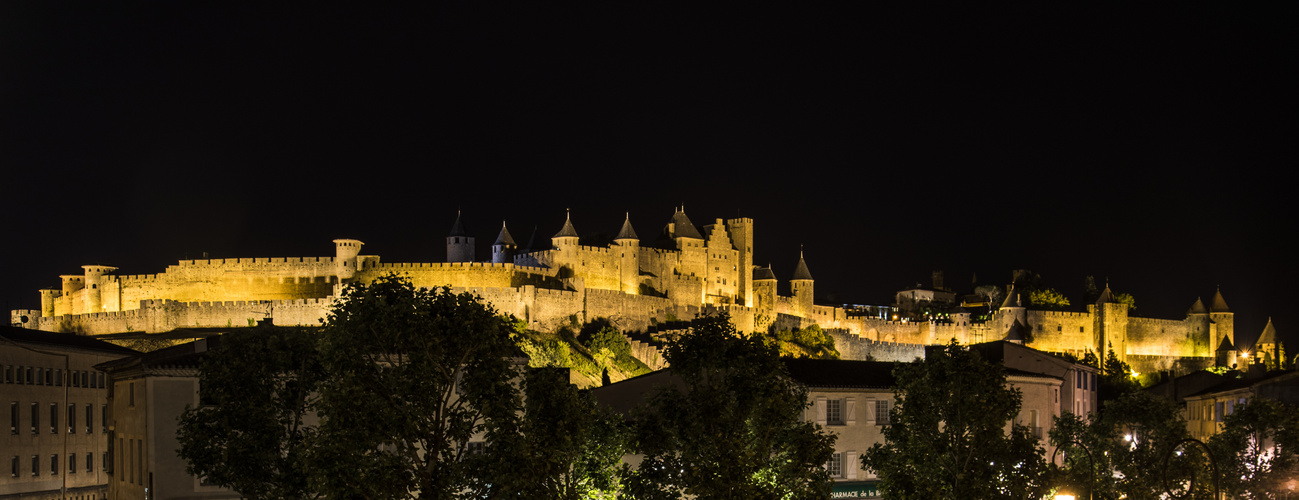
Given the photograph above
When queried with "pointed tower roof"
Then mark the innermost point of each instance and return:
(532, 240)
(1217, 304)
(627, 233)
(1268, 336)
(567, 231)
(1107, 296)
(1016, 333)
(800, 271)
(1197, 307)
(458, 229)
(504, 238)
(681, 226)
(1226, 345)
(1012, 299)
(763, 274)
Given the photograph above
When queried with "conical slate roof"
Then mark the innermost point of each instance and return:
(1016, 332)
(763, 273)
(567, 231)
(1226, 345)
(1218, 305)
(1198, 307)
(504, 238)
(1012, 299)
(627, 233)
(1268, 336)
(682, 227)
(458, 229)
(800, 271)
(1107, 296)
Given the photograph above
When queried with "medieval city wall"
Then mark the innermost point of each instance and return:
(852, 347)
(1163, 337)
(1062, 331)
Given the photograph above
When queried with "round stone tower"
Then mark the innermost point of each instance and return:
(460, 245)
(627, 244)
(800, 286)
(504, 248)
(345, 252)
(93, 284)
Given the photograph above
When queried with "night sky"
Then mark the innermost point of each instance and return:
(1147, 145)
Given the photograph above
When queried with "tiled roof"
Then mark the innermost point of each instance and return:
(567, 231)
(504, 238)
(627, 233)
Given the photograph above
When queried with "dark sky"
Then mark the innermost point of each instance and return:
(1143, 144)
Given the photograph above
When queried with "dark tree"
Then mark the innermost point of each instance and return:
(948, 437)
(732, 428)
(252, 435)
(414, 376)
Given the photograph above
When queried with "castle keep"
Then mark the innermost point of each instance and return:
(686, 271)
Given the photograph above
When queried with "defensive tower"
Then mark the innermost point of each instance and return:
(460, 245)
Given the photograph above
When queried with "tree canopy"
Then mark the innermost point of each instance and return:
(1128, 440)
(948, 437)
(415, 375)
(255, 432)
(1257, 448)
(732, 429)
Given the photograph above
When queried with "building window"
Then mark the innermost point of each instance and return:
(881, 412)
(90, 462)
(835, 465)
(131, 399)
(36, 465)
(72, 464)
(36, 418)
(54, 465)
(13, 466)
(90, 418)
(13, 417)
(475, 448)
(54, 418)
(72, 418)
(103, 419)
(834, 412)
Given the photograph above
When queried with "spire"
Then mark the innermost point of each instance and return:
(1197, 308)
(1016, 333)
(1218, 305)
(627, 233)
(1107, 297)
(458, 229)
(681, 227)
(567, 231)
(801, 272)
(1226, 345)
(1268, 336)
(504, 238)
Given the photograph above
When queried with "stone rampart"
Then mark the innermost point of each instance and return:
(852, 347)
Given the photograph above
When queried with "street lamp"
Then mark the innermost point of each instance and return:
(1190, 484)
(1065, 492)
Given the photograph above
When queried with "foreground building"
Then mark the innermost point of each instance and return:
(56, 445)
(149, 392)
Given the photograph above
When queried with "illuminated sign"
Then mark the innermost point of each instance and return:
(866, 489)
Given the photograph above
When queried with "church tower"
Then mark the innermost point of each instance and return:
(504, 248)
(627, 247)
(460, 246)
(800, 286)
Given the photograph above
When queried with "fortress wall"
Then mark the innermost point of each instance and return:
(630, 312)
(1162, 337)
(452, 274)
(894, 331)
(1145, 363)
(852, 347)
(1061, 331)
(301, 312)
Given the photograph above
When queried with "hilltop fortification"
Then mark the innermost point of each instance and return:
(686, 271)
